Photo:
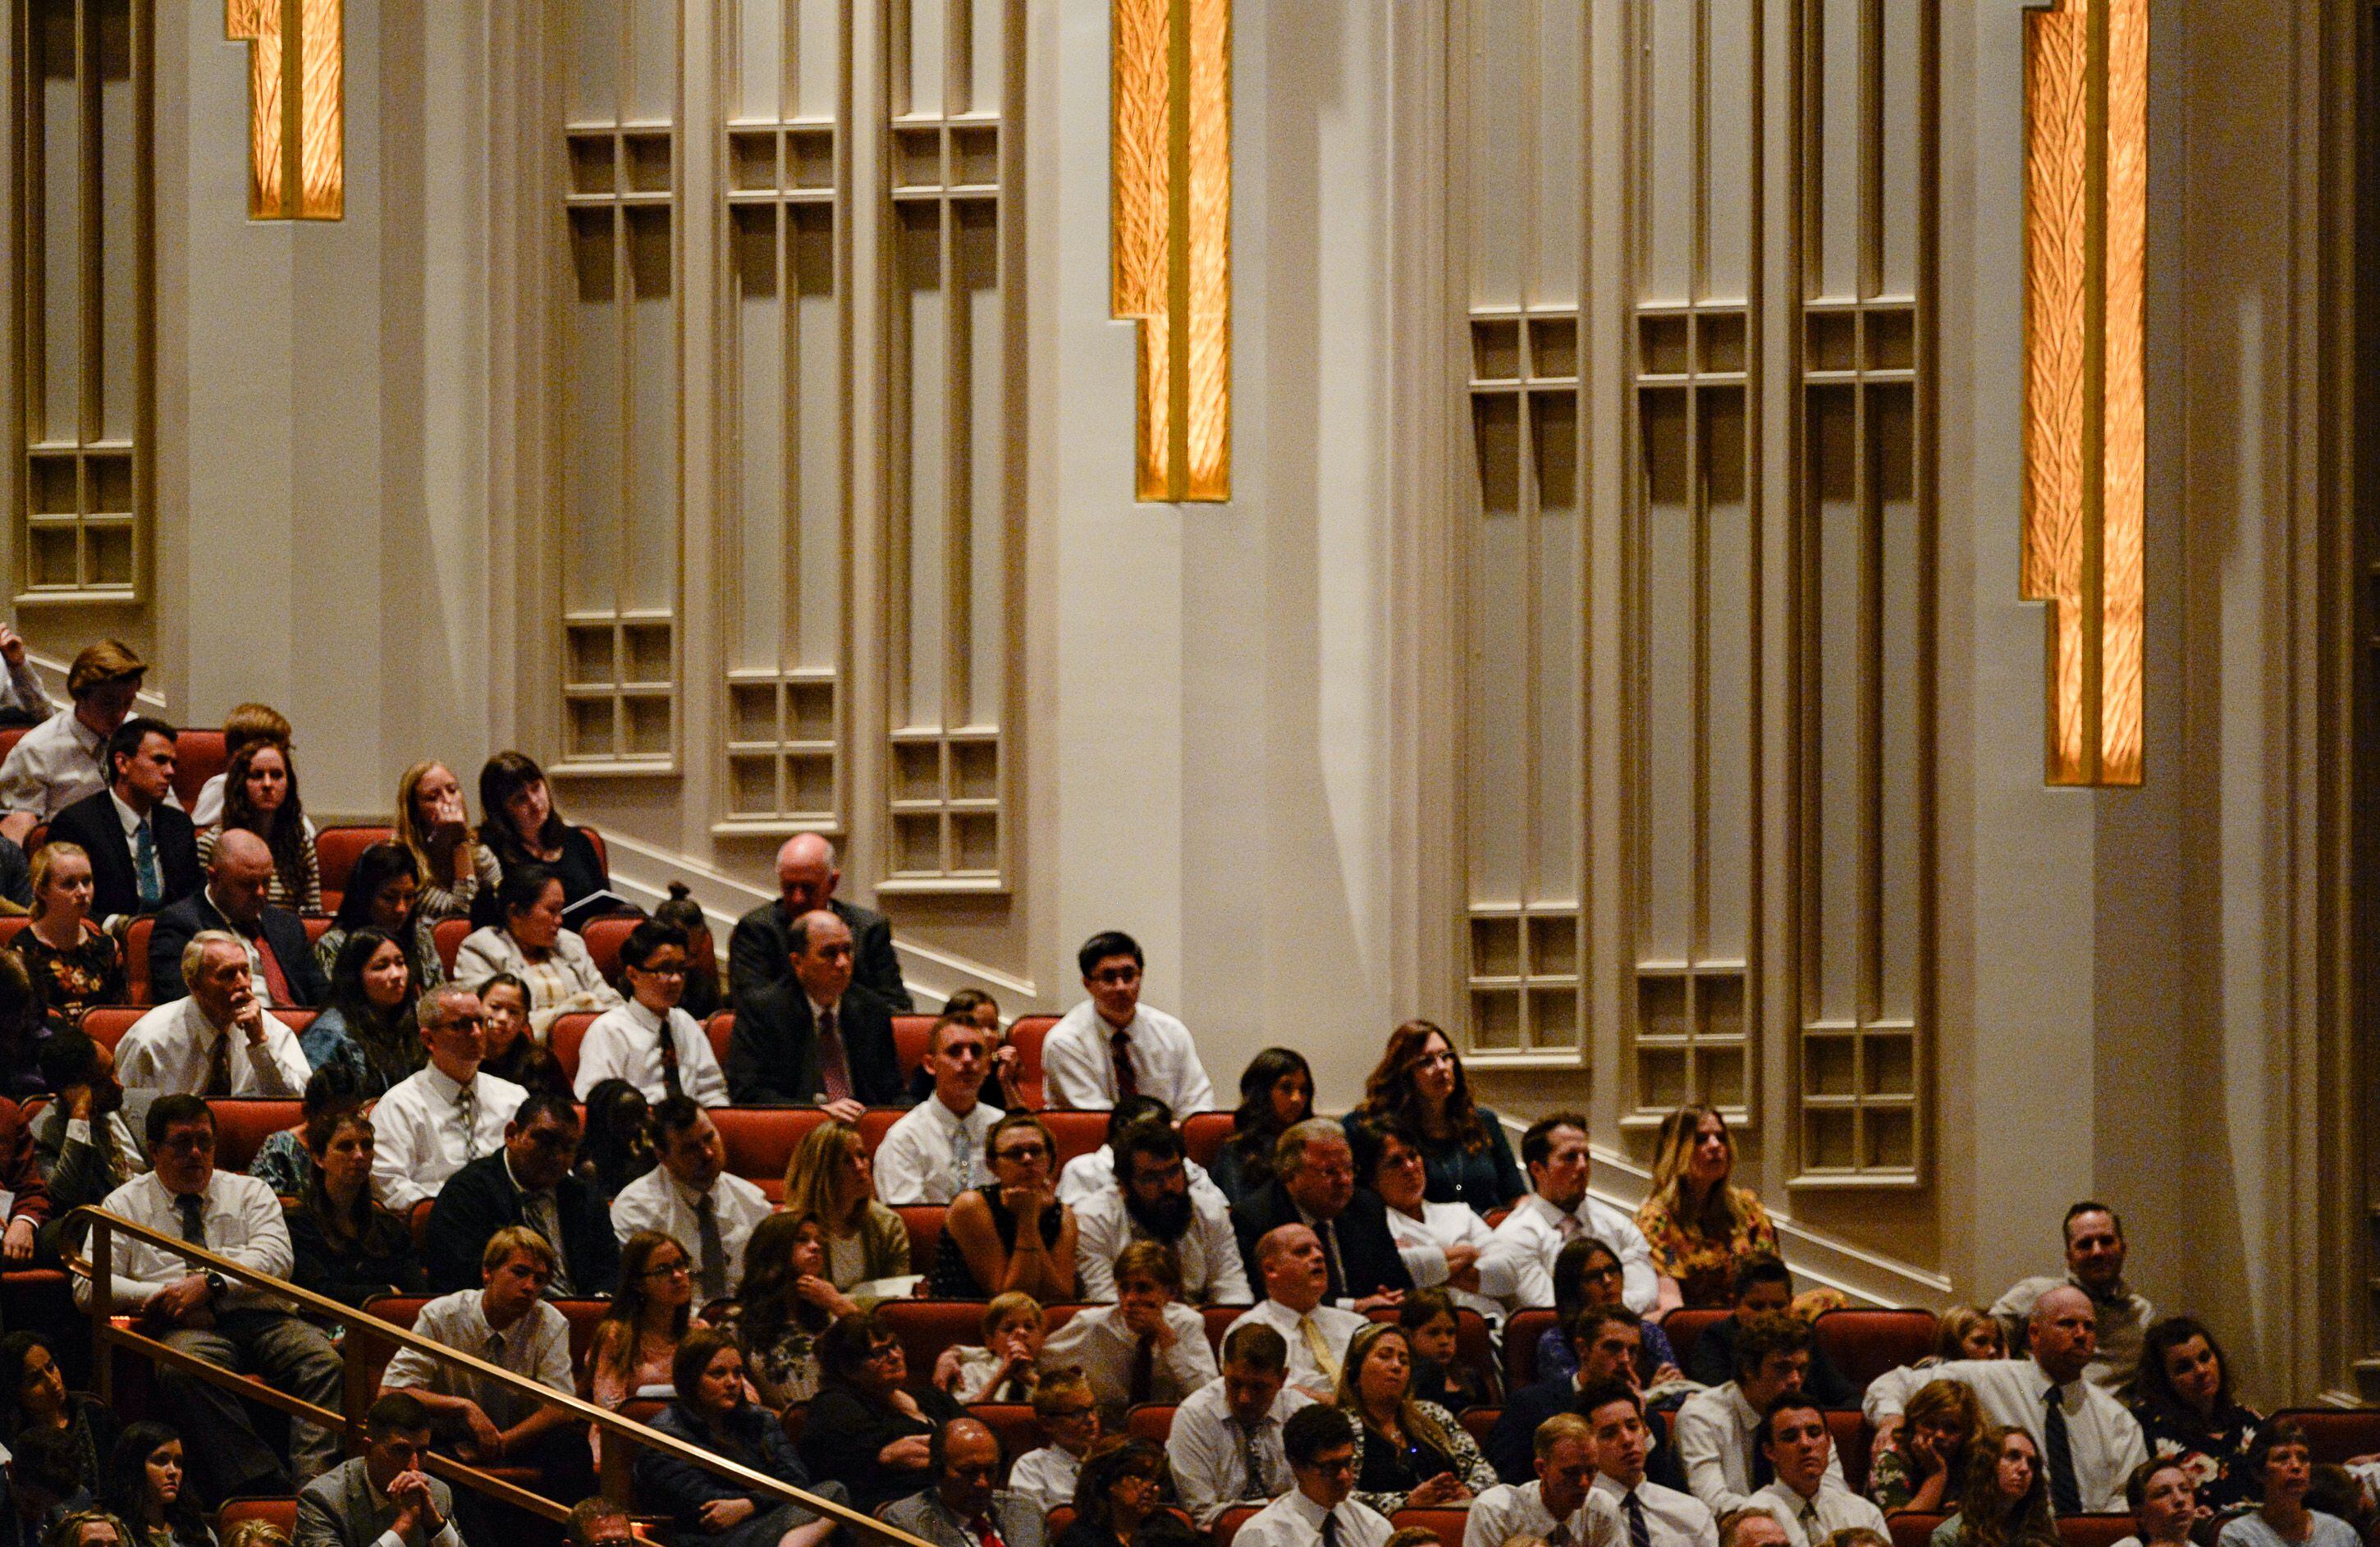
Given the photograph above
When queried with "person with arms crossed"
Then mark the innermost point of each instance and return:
(531, 1181)
(2095, 1264)
(1147, 1347)
(1562, 1507)
(1111, 1045)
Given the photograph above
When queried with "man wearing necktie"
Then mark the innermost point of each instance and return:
(1561, 1508)
(217, 1040)
(1147, 1347)
(1314, 1184)
(965, 1507)
(1290, 1263)
(816, 1039)
(1650, 1515)
(1809, 1497)
(1317, 1512)
(144, 853)
(691, 1199)
(1225, 1439)
(650, 1042)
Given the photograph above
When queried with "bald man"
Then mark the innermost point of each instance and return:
(817, 1038)
(281, 962)
(759, 950)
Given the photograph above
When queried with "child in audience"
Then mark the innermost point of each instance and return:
(2164, 1496)
(1069, 1416)
(786, 1306)
(1004, 1368)
(1440, 1373)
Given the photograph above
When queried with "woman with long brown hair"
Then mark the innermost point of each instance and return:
(1464, 1153)
(260, 797)
(2006, 1500)
(1699, 1224)
(1408, 1454)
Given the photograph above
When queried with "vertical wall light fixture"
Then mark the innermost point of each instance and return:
(1172, 238)
(296, 160)
(2086, 219)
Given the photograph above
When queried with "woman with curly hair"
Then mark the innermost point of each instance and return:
(1409, 1454)
(2005, 1501)
(1276, 1094)
(1464, 1153)
(1700, 1226)
(2182, 1396)
(1925, 1463)
(260, 797)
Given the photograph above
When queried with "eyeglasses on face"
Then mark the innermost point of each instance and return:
(1021, 1154)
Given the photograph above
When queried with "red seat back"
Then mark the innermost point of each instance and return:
(1077, 1133)
(337, 849)
(8, 928)
(279, 1512)
(721, 1030)
(564, 1037)
(1150, 1421)
(108, 1023)
(135, 960)
(317, 926)
(927, 1327)
(794, 1419)
(1013, 1424)
(2335, 1435)
(874, 1124)
(1850, 1432)
(604, 937)
(1445, 1524)
(198, 756)
(912, 1039)
(1481, 1421)
(1227, 1525)
(761, 1140)
(9, 737)
(448, 934)
(925, 1225)
(1912, 1530)
(1204, 1134)
(1522, 1334)
(1219, 1320)
(1683, 1326)
(2095, 1530)
(243, 1124)
(1471, 1343)
(602, 851)
(1864, 1343)
(1026, 1034)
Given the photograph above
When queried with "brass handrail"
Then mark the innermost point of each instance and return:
(99, 1275)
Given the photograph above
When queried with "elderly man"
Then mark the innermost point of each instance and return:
(63, 759)
(439, 1119)
(1290, 1265)
(217, 1040)
(381, 1498)
(1560, 1507)
(1154, 1199)
(1809, 1496)
(964, 1507)
(1314, 1184)
(2095, 1264)
(1225, 1445)
(200, 1312)
(816, 1039)
(144, 853)
(691, 1199)
(1112, 1045)
(758, 949)
(1317, 1512)
(2089, 1445)
(1559, 1211)
(281, 962)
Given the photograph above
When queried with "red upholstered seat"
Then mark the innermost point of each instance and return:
(603, 850)
(1864, 1343)
(448, 934)
(243, 1124)
(1026, 1034)
(1204, 1134)
(1683, 1327)
(1219, 1320)
(2095, 1530)
(337, 849)
(925, 1223)
(135, 959)
(912, 1039)
(1912, 1529)
(604, 937)
(198, 756)
(1078, 1133)
(793, 1420)
(2335, 1435)
(927, 1327)
(1445, 1524)
(874, 1124)
(1150, 1421)
(1013, 1424)
(720, 1029)
(761, 1140)
(8, 928)
(1852, 1437)
(375, 1352)
(1227, 1525)
(1521, 1336)
(419, 1220)
(317, 926)
(277, 1511)
(108, 1023)
(1480, 1421)
(9, 737)
(564, 1037)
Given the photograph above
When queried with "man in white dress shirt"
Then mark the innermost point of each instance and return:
(216, 1041)
(2089, 1445)
(1320, 1444)
(1225, 1445)
(1717, 1429)
(1649, 1515)
(1559, 1211)
(649, 1041)
(1295, 1275)
(63, 759)
(439, 1119)
(1110, 1046)
(1094, 1171)
(2095, 1264)
(203, 1313)
(1809, 1496)
(1070, 1422)
(935, 1150)
(1147, 1347)
(1153, 1199)
(1561, 1508)
(691, 1199)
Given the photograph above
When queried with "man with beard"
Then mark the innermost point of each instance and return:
(1154, 1201)
(935, 1150)
(1147, 1347)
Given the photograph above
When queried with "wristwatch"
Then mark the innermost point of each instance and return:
(216, 1284)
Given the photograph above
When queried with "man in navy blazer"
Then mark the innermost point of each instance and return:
(777, 1056)
(233, 899)
(110, 826)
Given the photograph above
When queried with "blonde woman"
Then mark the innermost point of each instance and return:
(1700, 1226)
(831, 1178)
(74, 964)
(454, 866)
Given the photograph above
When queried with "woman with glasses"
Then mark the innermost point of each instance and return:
(1588, 1277)
(867, 1425)
(1013, 1234)
(638, 1337)
(1120, 1486)
(1440, 1243)
(1464, 1153)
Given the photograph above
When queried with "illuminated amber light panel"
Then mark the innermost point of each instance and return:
(2086, 190)
(312, 139)
(1172, 247)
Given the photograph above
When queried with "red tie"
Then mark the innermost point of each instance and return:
(834, 1072)
(1127, 1082)
(984, 1533)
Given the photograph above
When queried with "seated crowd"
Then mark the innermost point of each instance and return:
(450, 1151)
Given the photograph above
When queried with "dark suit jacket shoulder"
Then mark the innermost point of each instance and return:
(760, 953)
(1712, 1362)
(1366, 1245)
(283, 929)
(773, 1053)
(93, 823)
(478, 1201)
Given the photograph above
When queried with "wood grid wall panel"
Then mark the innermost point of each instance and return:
(1694, 196)
(84, 374)
(621, 384)
(1522, 136)
(952, 69)
(785, 523)
(1866, 547)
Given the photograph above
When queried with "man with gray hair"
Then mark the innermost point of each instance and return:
(239, 879)
(218, 1040)
(761, 949)
(1314, 1184)
(439, 1119)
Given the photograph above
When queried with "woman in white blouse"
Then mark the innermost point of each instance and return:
(532, 945)
(1442, 1243)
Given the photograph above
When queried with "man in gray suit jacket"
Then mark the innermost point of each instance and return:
(962, 1502)
(88, 1142)
(382, 1492)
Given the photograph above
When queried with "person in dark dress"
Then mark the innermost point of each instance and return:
(1276, 1094)
(345, 1246)
(985, 1248)
(2183, 1397)
(1464, 1151)
(520, 826)
(712, 1411)
(867, 1425)
(1119, 1489)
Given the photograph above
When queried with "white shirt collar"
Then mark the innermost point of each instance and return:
(1305, 1508)
(645, 1018)
(444, 1084)
(818, 1009)
(687, 1195)
(957, 1119)
(125, 814)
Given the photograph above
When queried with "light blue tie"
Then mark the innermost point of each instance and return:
(144, 858)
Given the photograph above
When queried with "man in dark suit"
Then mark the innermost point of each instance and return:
(233, 899)
(1607, 1339)
(144, 853)
(91, 1140)
(817, 1038)
(1763, 1285)
(527, 1182)
(759, 950)
(1313, 1184)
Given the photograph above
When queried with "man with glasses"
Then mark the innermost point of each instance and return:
(1070, 1422)
(198, 1310)
(1321, 1442)
(1154, 1198)
(649, 1041)
(439, 1119)
(1314, 1184)
(599, 1522)
(528, 1181)
(1112, 1045)
(962, 1508)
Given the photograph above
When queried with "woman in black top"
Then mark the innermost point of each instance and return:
(74, 963)
(1463, 1149)
(710, 1411)
(1117, 1489)
(346, 1246)
(1015, 1234)
(1409, 1454)
(865, 1426)
(1276, 1094)
(147, 1487)
(619, 1144)
(519, 825)
(34, 1391)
